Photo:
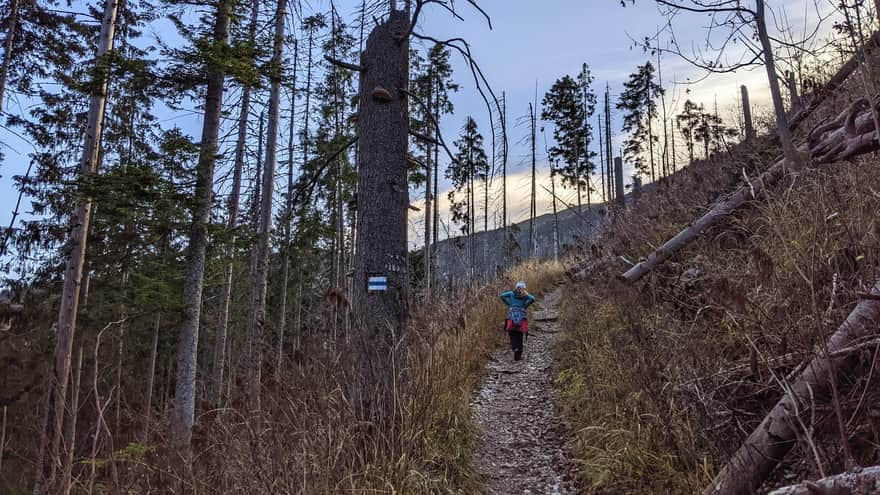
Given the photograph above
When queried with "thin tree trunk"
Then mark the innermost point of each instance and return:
(533, 208)
(383, 132)
(747, 114)
(504, 166)
(651, 148)
(261, 279)
(7, 49)
(602, 159)
(151, 377)
(2, 438)
(288, 219)
(609, 154)
(66, 326)
(71, 428)
(187, 349)
(428, 200)
(219, 365)
(782, 127)
(555, 219)
(436, 223)
(665, 156)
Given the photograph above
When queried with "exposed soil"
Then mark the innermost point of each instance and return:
(523, 442)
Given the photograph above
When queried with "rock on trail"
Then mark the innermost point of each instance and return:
(522, 445)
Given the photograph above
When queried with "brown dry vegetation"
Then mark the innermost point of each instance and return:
(662, 380)
(308, 440)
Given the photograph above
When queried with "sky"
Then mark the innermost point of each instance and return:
(529, 46)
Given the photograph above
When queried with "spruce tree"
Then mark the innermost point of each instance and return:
(639, 103)
(470, 165)
(568, 106)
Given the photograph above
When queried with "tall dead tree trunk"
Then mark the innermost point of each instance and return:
(609, 167)
(665, 156)
(260, 282)
(429, 197)
(219, 365)
(532, 204)
(76, 247)
(782, 127)
(7, 48)
(187, 347)
(288, 227)
(747, 114)
(602, 160)
(380, 278)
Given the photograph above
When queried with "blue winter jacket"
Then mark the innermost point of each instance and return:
(516, 312)
(513, 301)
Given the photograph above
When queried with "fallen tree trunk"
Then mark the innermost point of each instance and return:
(721, 209)
(849, 134)
(858, 482)
(777, 433)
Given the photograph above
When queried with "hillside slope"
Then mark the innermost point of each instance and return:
(664, 379)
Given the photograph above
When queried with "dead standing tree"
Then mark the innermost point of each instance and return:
(380, 277)
(380, 286)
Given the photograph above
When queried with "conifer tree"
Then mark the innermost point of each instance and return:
(639, 103)
(470, 164)
(568, 105)
(687, 122)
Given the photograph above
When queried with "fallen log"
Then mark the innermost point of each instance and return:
(722, 209)
(777, 433)
(849, 134)
(857, 482)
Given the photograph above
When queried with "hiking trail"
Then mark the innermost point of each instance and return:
(522, 446)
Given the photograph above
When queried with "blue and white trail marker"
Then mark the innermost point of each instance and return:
(377, 284)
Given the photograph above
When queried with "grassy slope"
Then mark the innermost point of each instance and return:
(663, 380)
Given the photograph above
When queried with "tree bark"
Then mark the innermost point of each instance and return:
(67, 470)
(747, 114)
(2, 438)
(383, 202)
(857, 482)
(428, 201)
(288, 219)
(782, 127)
(151, 377)
(187, 347)
(8, 45)
(777, 433)
(218, 367)
(261, 279)
(77, 243)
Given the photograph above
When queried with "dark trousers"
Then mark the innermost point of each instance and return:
(516, 340)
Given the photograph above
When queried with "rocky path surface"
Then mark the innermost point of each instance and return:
(523, 442)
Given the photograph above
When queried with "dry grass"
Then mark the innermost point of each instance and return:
(309, 440)
(664, 379)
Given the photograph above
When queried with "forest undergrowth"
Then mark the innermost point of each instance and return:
(662, 380)
(308, 440)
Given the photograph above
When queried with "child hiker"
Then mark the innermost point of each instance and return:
(517, 325)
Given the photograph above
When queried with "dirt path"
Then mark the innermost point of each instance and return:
(522, 446)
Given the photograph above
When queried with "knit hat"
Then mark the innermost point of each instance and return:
(520, 285)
